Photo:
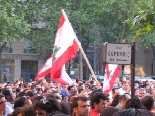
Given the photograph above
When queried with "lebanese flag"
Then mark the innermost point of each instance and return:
(64, 78)
(111, 73)
(65, 48)
(45, 70)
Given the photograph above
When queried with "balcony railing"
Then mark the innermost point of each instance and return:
(7, 50)
(29, 51)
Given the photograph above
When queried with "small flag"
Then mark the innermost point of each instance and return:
(111, 73)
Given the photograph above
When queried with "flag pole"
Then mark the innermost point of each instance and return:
(87, 62)
(82, 51)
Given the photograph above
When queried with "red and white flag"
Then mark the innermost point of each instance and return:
(45, 70)
(65, 48)
(111, 73)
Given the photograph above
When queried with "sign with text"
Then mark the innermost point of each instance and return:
(22, 56)
(117, 53)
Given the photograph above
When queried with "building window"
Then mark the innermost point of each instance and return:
(27, 64)
(29, 70)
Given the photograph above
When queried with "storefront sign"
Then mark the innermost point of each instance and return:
(19, 56)
(14, 56)
(5, 70)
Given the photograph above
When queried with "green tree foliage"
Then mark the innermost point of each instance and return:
(143, 22)
(98, 20)
(13, 25)
(49, 12)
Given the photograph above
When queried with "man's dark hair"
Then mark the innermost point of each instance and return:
(22, 93)
(113, 90)
(29, 111)
(66, 108)
(19, 102)
(97, 97)
(1, 96)
(50, 106)
(80, 98)
(6, 92)
(148, 102)
(18, 90)
(69, 87)
(50, 95)
(37, 98)
(95, 91)
(109, 111)
(46, 89)
(80, 90)
(122, 97)
(133, 112)
(88, 85)
(17, 111)
(30, 93)
(115, 100)
(33, 86)
(134, 103)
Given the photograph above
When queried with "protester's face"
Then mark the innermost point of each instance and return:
(115, 85)
(83, 108)
(41, 113)
(147, 87)
(103, 104)
(137, 92)
(117, 92)
(142, 94)
(40, 92)
(29, 85)
(2, 104)
(71, 90)
(16, 86)
(43, 81)
(125, 85)
(8, 87)
(136, 86)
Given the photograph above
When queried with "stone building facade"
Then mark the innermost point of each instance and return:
(143, 62)
(17, 62)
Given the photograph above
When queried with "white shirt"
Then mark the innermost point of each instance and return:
(9, 108)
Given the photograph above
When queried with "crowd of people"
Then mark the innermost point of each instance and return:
(84, 98)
